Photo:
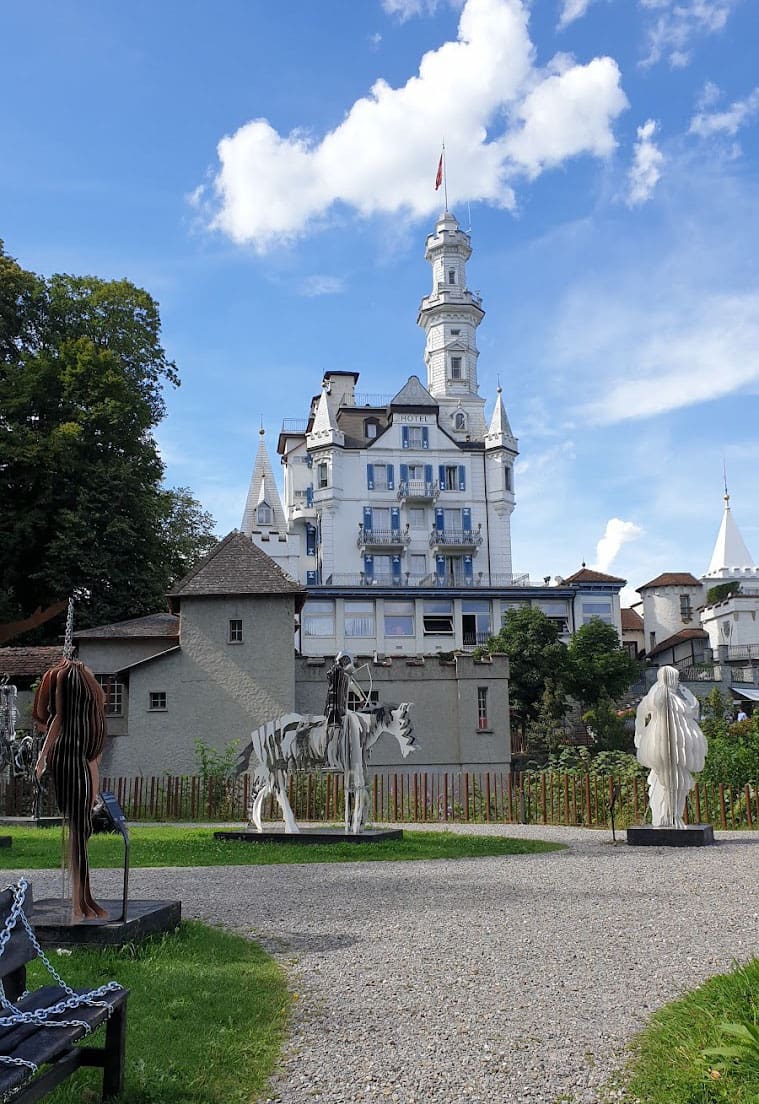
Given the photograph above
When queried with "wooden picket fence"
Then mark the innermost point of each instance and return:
(546, 797)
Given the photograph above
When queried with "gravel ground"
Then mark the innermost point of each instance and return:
(478, 980)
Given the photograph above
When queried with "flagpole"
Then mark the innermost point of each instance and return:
(445, 178)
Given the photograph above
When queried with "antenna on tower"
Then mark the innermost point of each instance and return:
(469, 212)
(724, 472)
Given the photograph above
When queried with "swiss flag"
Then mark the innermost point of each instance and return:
(439, 177)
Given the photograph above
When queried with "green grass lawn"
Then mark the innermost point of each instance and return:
(40, 849)
(669, 1066)
(205, 1021)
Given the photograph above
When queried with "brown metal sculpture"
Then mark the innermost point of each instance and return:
(69, 707)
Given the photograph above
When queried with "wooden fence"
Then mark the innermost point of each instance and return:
(547, 797)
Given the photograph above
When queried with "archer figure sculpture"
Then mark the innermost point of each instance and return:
(670, 743)
(69, 707)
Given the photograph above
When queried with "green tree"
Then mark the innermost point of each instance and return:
(536, 662)
(597, 667)
(82, 509)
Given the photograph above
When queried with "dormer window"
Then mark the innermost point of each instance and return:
(459, 421)
(456, 369)
(371, 428)
(264, 514)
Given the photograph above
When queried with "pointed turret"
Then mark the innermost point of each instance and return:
(730, 551)
(499, 434)
(263, 507)
(324, 430)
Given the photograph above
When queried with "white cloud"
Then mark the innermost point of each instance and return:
(406, 9)
(708, 123)
(618, 532)
(502, 118)
(312, 286)
(678, 23)
(571, 10)
(645, 170)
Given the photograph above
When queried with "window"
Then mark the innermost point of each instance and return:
(599, 609)
(451, 481)
(318, 619)
(455, 333)
(157, 701)
(452, 520)
(417, 565)
(415, 437)
(438, 617)
(507, 478)
(356, 701)
(482, 707)
(381, 519)
(416, 472)
(321, 475)
(359, 619)
(456, 372)
(686, 613)
(557, 611)
(235, 631)
(652, 640)
(264, 514)
(475, 621)
(399, 618)
(417, 517)
(371, 428)
(383, 568)
(380, 477)
(113, 690)
(459, 422)
(451, 275)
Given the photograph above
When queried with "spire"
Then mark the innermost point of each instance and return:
(730, 550)
(262, 493)
(499, 435)
(324, 429)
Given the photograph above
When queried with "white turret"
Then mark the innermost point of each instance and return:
(731, 558)
(500, 453)
(324, 430)
(263, 507)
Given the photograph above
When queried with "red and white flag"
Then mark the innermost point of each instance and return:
(439, 177)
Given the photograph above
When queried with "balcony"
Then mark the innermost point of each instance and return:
(388, 540)
(450, 579)
(418, 490)
(476, 639)
(456, 540)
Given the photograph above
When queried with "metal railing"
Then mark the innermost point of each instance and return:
(419, 489)
(431, 579)
(743, 651)
(382, 537)
(460, 537)
(294, 425)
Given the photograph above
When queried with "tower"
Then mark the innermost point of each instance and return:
(500, 453)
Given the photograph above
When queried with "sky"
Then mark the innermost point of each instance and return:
(267, 172)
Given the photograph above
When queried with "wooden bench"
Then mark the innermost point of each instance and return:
(33, 1045)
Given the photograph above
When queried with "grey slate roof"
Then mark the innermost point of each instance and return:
(413, 393)
(235, 566)
(138, 628)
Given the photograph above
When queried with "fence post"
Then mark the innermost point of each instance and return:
(588, 809)
(698, 804)
(723, 814)
(747, 794)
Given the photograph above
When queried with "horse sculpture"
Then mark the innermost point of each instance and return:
(305, 742)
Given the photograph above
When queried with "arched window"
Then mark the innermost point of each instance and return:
(371, 428)
(459, 422)
(451, 275)
(264, 514)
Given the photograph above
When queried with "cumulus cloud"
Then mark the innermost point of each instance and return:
(646, 167)
(678, 23)
(618, 532)
(708, 123)
(571, 10)
(502, 117)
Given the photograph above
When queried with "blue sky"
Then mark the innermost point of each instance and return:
(267, 173)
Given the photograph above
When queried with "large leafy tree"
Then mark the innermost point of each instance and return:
(82, 508)
(598, 669)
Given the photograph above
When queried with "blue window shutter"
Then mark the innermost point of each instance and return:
(395, 519)
(425, 437)
(369, 567)
(370, 476)
(310, 540)
(309, 495)
(440, 519)
(404, 473)
(468, 572)
(404, 436)
(390, 477)
(466, 519)
(440, 567)
(428, 473)
(310, 578)
(441, 476)
(309, 461)
(367, 519)
(396, 569)
(462, 477)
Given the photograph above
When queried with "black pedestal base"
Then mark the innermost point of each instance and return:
(6, 841)
(51, 919)
(693, 835)
(312, 835)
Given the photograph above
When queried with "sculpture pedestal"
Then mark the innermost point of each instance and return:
(312, 835)
(693, 835)
(54, 926)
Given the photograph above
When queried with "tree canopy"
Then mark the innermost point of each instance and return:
(82, 506)
(597, 666)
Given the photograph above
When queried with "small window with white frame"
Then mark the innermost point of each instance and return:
(322, 475)
(482, 708)
(417, 517)
(359, 619)
(415, 437)
(507, 478)
(235, 631)
(157, 701)
(451, 275)
(318, 618)
(417, 565)
(459, 420)
(457, 371)
(438, 617)
(380, 477)
(264, 514)
(113, 694)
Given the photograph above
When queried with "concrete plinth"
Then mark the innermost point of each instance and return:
(312, 835)
(693, 835)
(51, 919)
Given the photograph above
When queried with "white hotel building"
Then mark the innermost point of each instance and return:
(397, 511)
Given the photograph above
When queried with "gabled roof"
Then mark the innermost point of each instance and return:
(672, 578)
(631, 620)
(235, 566)
(29, 662)
(413, 393)
(138, 628)
(587, 575)
(678, 638)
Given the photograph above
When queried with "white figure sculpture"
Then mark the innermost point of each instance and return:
(671, 744)
(297, 742)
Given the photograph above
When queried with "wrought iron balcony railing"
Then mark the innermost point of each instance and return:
(456, 538)
(382, 538)
(418, 490)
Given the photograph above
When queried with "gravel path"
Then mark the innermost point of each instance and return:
(479, 980)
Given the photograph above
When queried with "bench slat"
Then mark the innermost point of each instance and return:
(18, 950)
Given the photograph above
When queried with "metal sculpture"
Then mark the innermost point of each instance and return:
(670, 743)
(340, 740)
